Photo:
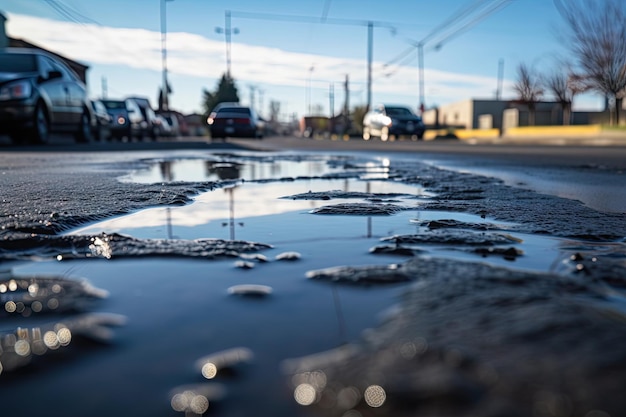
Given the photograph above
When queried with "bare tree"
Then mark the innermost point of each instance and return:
(528, 89)
(596, 34)
(564, 85)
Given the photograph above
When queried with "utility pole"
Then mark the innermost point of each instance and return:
(165, 89)
(227, 34)
(308, 91)
(456, 19)
(104, 88)
(252, 88)
(420, 60)
(500, 76)
(370, 54)
(261, 93)
(331, 97)
(346, 89)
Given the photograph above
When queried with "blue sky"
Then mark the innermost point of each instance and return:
(296, 62)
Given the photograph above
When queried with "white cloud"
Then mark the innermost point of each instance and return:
(196, 56)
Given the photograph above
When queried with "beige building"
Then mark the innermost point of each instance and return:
(501, 114)
(467, 114)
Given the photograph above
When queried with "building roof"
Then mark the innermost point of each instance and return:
(80, 69)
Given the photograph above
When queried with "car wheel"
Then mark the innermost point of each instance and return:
(98, 134)
(384, 133)
(40, 132)
(366, 133)
(84, 134)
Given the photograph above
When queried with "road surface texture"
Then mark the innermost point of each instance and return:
(467, 338)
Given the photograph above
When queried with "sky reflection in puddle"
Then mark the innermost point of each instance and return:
(179, 310)
(258, 211)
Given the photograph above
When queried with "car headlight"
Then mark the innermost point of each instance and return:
(16, 90)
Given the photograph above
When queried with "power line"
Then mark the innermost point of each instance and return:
(326, 10)
(458, 15)
(70, 13)
(311, 19)
(468, 25)
(79, 18)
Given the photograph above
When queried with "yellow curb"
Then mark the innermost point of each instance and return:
(533, 131)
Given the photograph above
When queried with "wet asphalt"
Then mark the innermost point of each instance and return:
(468, 339)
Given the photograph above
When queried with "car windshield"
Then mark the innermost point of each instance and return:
(17, 63)
(142, 102)
(237, 110)
(114, 105)
(398, 111)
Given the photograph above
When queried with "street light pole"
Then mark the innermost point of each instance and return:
(308, 90)
(227, 35)
(420, 60)
(165, 88)
(370, 54)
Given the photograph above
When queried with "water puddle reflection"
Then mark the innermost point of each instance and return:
(180, 310)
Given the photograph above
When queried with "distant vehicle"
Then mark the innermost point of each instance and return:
(127, 119)
(151, 128)
(234, 120)
(175, 121)
(164, 127)
(390, 121)
(40, 95)
(311, 126)
(102, 121)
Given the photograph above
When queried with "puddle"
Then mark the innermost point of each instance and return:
(181, 309)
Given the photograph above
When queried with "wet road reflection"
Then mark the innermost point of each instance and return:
(327, 249)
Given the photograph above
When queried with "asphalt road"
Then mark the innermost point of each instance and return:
(610, 154)
(501, 343)
(575, 169)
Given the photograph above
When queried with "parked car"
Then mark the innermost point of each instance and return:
(234, 120)
(127, 119)
(102, 121)
(40, 95)
(164, 127)
(391, 121)
(175, 120)
(151, 125)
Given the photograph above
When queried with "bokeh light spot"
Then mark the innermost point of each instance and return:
(22, 347)
(53, 304)
(51, 340)
(3, 288)
(33, 289)
(199, 404)
(10, 306)
(36, 306)
(12, 285)
(65, 336)
(304, 394)
(179, 402)
(375, 396)
(209, 370)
